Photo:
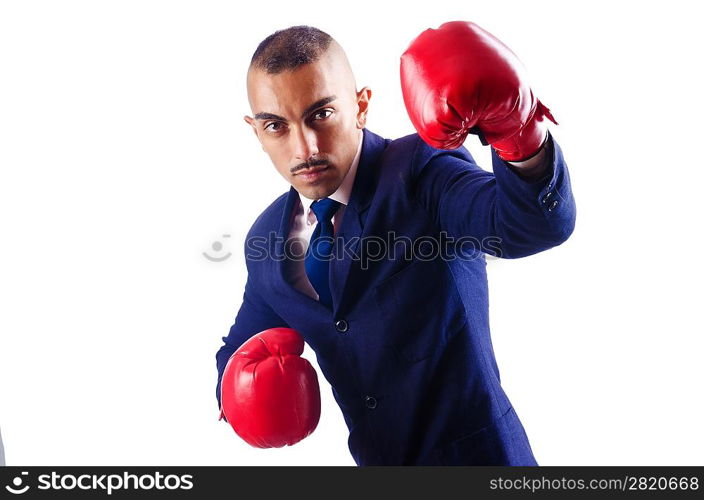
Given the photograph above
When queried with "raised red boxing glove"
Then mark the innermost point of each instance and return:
(269, 393)
(460, 79)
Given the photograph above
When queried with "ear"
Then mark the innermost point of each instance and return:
(363, 97)
(250, 121)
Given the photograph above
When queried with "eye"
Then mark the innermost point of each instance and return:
(273, 126)
(321, 114)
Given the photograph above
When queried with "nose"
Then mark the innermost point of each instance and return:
(305, 143)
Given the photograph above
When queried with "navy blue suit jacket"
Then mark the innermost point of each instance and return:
(406, 346)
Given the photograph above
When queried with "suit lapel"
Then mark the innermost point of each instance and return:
(279, 263)
(347, 241)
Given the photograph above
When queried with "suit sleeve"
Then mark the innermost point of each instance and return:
(254, 316)
(506, 215)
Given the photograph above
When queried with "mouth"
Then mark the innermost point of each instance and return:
(313, 173)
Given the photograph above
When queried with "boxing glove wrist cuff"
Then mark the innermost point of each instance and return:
(528, 141)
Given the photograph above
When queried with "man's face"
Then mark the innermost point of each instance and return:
(309, 121)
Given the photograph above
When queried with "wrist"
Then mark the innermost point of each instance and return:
(535, 167)
(532, 163)
(529, 140)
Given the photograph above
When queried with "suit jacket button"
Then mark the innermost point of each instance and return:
(341, 325)
(546, 197)
(370, 402)
(552, 206)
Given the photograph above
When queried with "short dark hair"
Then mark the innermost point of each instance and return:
(290, 48)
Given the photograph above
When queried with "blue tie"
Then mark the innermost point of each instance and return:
(320, 248)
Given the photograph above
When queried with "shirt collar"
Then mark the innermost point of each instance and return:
(343, 193)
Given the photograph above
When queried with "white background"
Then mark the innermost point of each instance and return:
(124, 156)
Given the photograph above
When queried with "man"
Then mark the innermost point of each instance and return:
(402, 335)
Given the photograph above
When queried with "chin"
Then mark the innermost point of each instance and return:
(316, 192)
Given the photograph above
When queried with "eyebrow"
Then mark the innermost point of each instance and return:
(312, 107)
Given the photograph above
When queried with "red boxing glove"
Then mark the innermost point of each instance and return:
(460, 79)
(269, 394)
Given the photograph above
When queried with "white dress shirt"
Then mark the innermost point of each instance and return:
(303, 224)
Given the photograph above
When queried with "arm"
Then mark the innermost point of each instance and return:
(460, 79)
(254, 316)
(525, 216)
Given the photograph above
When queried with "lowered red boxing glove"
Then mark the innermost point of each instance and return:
(269, 394)
(460, 79)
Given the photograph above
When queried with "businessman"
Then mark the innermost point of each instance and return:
(376, 254)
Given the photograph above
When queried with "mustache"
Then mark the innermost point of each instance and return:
(316, 162)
